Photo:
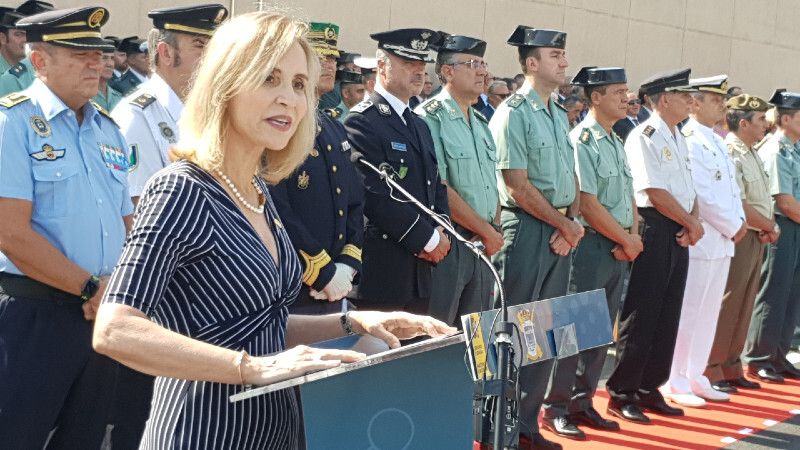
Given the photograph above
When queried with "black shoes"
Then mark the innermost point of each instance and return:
(659, 406)
(562, 426)
(743, 383)
(537, 442)
(766, 375)
(593, 419)
(724, 386)
(791, 372)
(628, 411)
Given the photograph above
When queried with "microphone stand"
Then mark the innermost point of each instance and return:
(503, 386)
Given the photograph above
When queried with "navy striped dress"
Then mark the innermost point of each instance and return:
(195, 265)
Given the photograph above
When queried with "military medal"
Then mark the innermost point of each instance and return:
(40, 126)
(667, 153)
(167, 132)
(303, 180)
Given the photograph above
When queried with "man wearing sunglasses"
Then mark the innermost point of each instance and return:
(498, 91)
(624, 126)
(466, 155)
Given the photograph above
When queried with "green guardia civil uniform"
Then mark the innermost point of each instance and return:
(108, 101)
(4, 65)
(17, 78)
(466, 157)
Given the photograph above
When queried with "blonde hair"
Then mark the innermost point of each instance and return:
(237, 59)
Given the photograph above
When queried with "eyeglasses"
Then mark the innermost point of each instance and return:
(502, 96)
(473, 64)
(634, 102)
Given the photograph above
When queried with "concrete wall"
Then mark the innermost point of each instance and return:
(753, 41)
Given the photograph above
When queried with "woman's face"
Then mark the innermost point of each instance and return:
(268, 117)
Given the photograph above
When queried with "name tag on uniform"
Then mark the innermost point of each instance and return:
(114, 157)
(345, 146)
(399, 146)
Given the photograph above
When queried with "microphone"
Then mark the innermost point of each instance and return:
(384, 169)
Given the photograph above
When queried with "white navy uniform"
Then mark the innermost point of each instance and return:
(148, 119)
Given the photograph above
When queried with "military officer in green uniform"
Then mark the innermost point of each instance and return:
(352, 92)
(20, 75)
(776, 308)
(467, 157)
(107, 97)
(537, 188)
(603, 258)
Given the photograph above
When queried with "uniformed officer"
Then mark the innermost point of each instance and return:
(20, 75)
(400, 243)
(149, 115)
(65, 207)
(776, 308)
(664, 193)
(467, 157)
(322, 204)
(537, 187)
(131, 78)
(107, 97)
(747, 125)
(603, 258)
(719, 199)
(352, 92)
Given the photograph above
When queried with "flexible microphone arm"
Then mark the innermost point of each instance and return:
(503, 329)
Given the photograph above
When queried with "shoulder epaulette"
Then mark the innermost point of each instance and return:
(361, 107)
(432, 106)
(585, 135)
(18, 70)
(143, 101)
(761, 142)
(480, 115)
(686, 132)
(515, 100)
(560, 106)
(648, 131)
(13, 99)
(333, 113)
(103, 111)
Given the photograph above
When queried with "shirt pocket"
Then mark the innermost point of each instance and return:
(119, 185)
(461, 161)
(54, 190)
(609, 176)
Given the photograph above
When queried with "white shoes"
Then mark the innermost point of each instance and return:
(687, 400)
(713, 395)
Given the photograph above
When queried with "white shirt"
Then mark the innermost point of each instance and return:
(718, 194)
(400, 107)
(658, 159)
(150, 130)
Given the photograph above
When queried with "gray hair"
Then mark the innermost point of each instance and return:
(444, 59)
(157, 35)
(495, 84)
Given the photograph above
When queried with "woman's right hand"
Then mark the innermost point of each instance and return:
(292, 363)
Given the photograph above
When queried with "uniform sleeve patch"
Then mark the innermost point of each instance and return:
(515, 100)
(143, 101)
(648, 131)
(13, 99)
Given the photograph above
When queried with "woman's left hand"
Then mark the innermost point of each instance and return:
(392, 327)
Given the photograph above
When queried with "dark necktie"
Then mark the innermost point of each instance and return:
(635, 122)
(409, 118)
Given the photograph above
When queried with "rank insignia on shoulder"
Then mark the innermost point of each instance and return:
(143, 101)
(103, 111)
(432, 106)
(133, 157)
(648, 131)
(515, 100)
(40, 126)
(480, 116)
(686, 132)
(48, 153)
(303, 181)
(18, 70)
(384, 109)
(13, 99)
(361, 107)
(585, 136)
(333, 113)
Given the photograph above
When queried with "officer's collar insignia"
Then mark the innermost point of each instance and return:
(167, 132)
(515, 100)
(686, 131)
(433, 106)
(13, 99)
(303, 180)
(143, 101)
(314, 152)
(346, 146)
(648, 131)
(667, 153)
(40, 126)
(133, 157)
(585, 136)
(384, 109)
(49, 153)
(18, 70)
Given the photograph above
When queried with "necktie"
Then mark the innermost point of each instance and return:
(409, 118)
(635, 122)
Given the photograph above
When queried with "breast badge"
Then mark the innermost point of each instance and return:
(303, 180)
(167, 132)
(667, 153)
(48, 153)
(40, 126)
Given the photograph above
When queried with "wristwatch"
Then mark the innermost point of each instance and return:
(776, 228)
(90, 288)
(347, 326)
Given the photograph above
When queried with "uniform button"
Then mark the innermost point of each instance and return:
(100, 201)
(58, 174)
(333, 168)
(341, 236)
(429, 182)
(88, 169)
(385, 236)
(329, 147)
(105, 233)
(341, 213)
(338, 190)
(431, 207)
(402, 160)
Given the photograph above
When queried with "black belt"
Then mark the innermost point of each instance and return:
(22, 287)
(516, 209)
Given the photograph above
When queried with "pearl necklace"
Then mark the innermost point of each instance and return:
(261, 199)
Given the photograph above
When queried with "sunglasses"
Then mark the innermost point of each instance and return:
(502, 96)
(635, 102)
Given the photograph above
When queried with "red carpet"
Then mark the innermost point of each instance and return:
(712, 427)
